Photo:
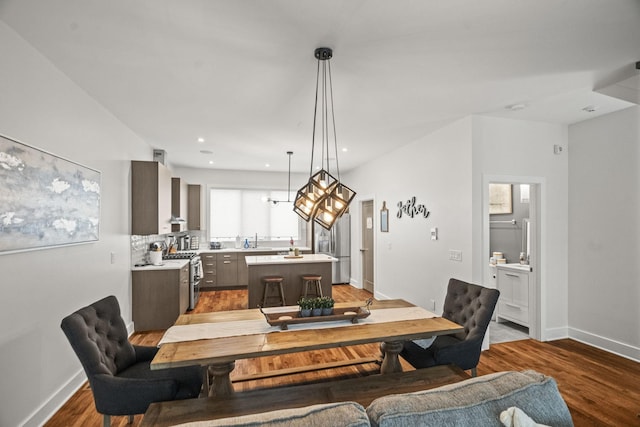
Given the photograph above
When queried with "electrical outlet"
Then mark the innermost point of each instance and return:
(455, 255)
(113, 257)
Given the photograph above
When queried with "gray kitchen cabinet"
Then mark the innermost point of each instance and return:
(227, 269)
(193, 207)
(209, 271)
(159, 297)
(179, 194)
(243, 270)
(150, 198)
(227, 263)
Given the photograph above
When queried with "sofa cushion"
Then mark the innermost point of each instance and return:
(347, 414)
(475, 402)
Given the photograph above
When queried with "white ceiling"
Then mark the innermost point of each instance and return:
(241, 73)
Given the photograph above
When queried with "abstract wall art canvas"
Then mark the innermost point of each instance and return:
(45, 200)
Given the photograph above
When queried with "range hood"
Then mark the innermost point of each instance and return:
(176, 220)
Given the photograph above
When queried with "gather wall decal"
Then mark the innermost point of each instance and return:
(411, 209)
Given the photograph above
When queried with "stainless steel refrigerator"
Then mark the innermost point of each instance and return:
(337, 243)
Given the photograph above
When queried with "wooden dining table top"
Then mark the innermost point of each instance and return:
(228, 349)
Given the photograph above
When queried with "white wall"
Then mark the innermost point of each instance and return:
(604, 232)
(437, 171)
(39, 106)
(445, 171)
(517, 148)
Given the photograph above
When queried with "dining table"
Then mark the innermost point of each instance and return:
(215, 340)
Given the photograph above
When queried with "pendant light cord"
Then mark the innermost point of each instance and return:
(333, 119)
(289, 153)
(321, 95)
(315, 113)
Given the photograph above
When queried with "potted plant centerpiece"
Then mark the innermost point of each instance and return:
(327, 305)
(305, 304)
(317, 306)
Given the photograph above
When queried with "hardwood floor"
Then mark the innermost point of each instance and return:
(600, 388)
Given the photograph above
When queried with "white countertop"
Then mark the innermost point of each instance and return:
(167, 264)
(258, 249)
(518, 266)
(280, 259)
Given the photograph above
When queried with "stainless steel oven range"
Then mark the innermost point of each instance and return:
(195, 273)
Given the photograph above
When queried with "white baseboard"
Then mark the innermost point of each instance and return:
(607, 344)
(552, 334)
(55, 401)
(380, 295)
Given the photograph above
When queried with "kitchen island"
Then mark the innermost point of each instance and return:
(292, 270)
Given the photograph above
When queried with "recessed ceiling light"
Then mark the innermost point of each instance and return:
(206, 151)
(266, 165)
(516, 107)
(590, 108)
(210, 162)
(200, 140)
(345, 149)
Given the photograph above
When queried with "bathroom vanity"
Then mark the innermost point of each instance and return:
(513, 283)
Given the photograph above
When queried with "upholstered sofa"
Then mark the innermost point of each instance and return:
(477, 401)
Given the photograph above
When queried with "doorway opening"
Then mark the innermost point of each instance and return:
(512, 242)
(367, 246)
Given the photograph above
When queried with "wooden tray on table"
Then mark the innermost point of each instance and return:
(283, 319)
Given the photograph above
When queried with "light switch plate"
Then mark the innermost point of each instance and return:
(455, 255)
(434, 234)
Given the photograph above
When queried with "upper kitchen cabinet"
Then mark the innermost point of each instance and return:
(193, 212)
(150, 198)
(179, 190)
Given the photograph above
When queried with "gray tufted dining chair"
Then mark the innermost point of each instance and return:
(470, 306)
(119, 374)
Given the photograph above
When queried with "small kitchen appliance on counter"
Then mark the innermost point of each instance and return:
(184, 242)
(155, 253)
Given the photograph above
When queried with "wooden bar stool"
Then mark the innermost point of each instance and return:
(311, 280)
(269, 283)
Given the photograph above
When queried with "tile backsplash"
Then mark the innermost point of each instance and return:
(140, 247)
(140, 244)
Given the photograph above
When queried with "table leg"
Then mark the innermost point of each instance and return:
(206, 384)
(218, 379)
(391, 362)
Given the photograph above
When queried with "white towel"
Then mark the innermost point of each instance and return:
(515, 417)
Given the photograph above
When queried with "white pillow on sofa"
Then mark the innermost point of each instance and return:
(515, 417)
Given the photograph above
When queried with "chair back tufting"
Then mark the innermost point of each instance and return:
(470, 306)
(98, 335)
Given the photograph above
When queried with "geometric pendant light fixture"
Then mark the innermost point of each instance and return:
(323, 198)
